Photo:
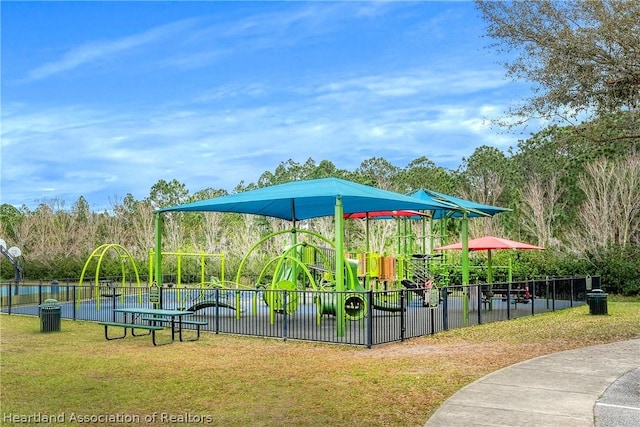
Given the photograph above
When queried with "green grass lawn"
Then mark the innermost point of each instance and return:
(244, 381)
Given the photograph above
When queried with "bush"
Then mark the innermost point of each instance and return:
(71, 268)
(618, 266)
(47, 270)
(620, 269)
(548, 263)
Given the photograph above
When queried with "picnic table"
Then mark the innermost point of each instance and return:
(156, 319)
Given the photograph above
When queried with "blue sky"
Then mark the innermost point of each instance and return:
(102, 99)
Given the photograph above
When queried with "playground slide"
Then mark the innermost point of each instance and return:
(283, 281)
(285, 273)
(212, 303)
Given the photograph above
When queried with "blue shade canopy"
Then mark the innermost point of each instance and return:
(456, 205)
(300, 200)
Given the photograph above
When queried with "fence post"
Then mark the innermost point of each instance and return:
(370, 318)
(571, 289)
(284, 314)
(113, 305)
(216, 311)
(546, 290)
(9, 297)
(432, 316)
(509, 301)
(479, 299)
(39, 292)
(445, 308)
(73, 296)
(532, 291)
(403, 315)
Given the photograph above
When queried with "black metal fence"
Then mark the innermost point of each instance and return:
(370, 318)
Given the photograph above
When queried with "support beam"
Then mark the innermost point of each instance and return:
(158, 250)
(464, 238)
(340, 285)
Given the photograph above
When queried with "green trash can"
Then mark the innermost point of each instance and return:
(597, 300)
(50, 314)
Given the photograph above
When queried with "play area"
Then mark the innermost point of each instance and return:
(312, 262)
(309, 286)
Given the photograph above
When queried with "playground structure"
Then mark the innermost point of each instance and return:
(300, 200)
(303, 265)
(306, 263)
(413, 265)
(210, 275)
(203, 266)
(104, 287)
(310, 261)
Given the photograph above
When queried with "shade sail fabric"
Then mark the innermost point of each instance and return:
(489, 243)
(473, 209)
(300, 200)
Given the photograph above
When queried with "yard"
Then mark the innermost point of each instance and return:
(77, 376)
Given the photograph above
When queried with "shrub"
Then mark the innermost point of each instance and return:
(620, 269)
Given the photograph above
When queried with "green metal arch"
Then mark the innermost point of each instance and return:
(99, 253)
(271, 235)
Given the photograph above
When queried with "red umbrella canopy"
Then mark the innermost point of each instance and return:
(386, 214)
(490, 243)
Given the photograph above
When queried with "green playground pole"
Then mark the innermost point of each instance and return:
(399, 237)
(405, 238)
(339, 244)
(424, 236)
(464, 231)
(444, 238)
(294, 242)
(294, 267)
(367, 255)
(412, 237)
(158, 254)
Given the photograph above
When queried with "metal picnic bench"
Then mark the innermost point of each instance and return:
(154, 317)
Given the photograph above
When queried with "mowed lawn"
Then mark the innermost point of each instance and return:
(226, 380)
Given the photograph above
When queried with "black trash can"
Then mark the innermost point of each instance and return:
(50, 314)
(597, 300)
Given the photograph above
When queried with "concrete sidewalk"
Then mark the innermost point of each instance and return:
(593, 386)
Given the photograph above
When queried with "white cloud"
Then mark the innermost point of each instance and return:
(427, 84)
(91, 52)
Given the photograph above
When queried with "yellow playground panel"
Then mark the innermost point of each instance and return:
(378, 270)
